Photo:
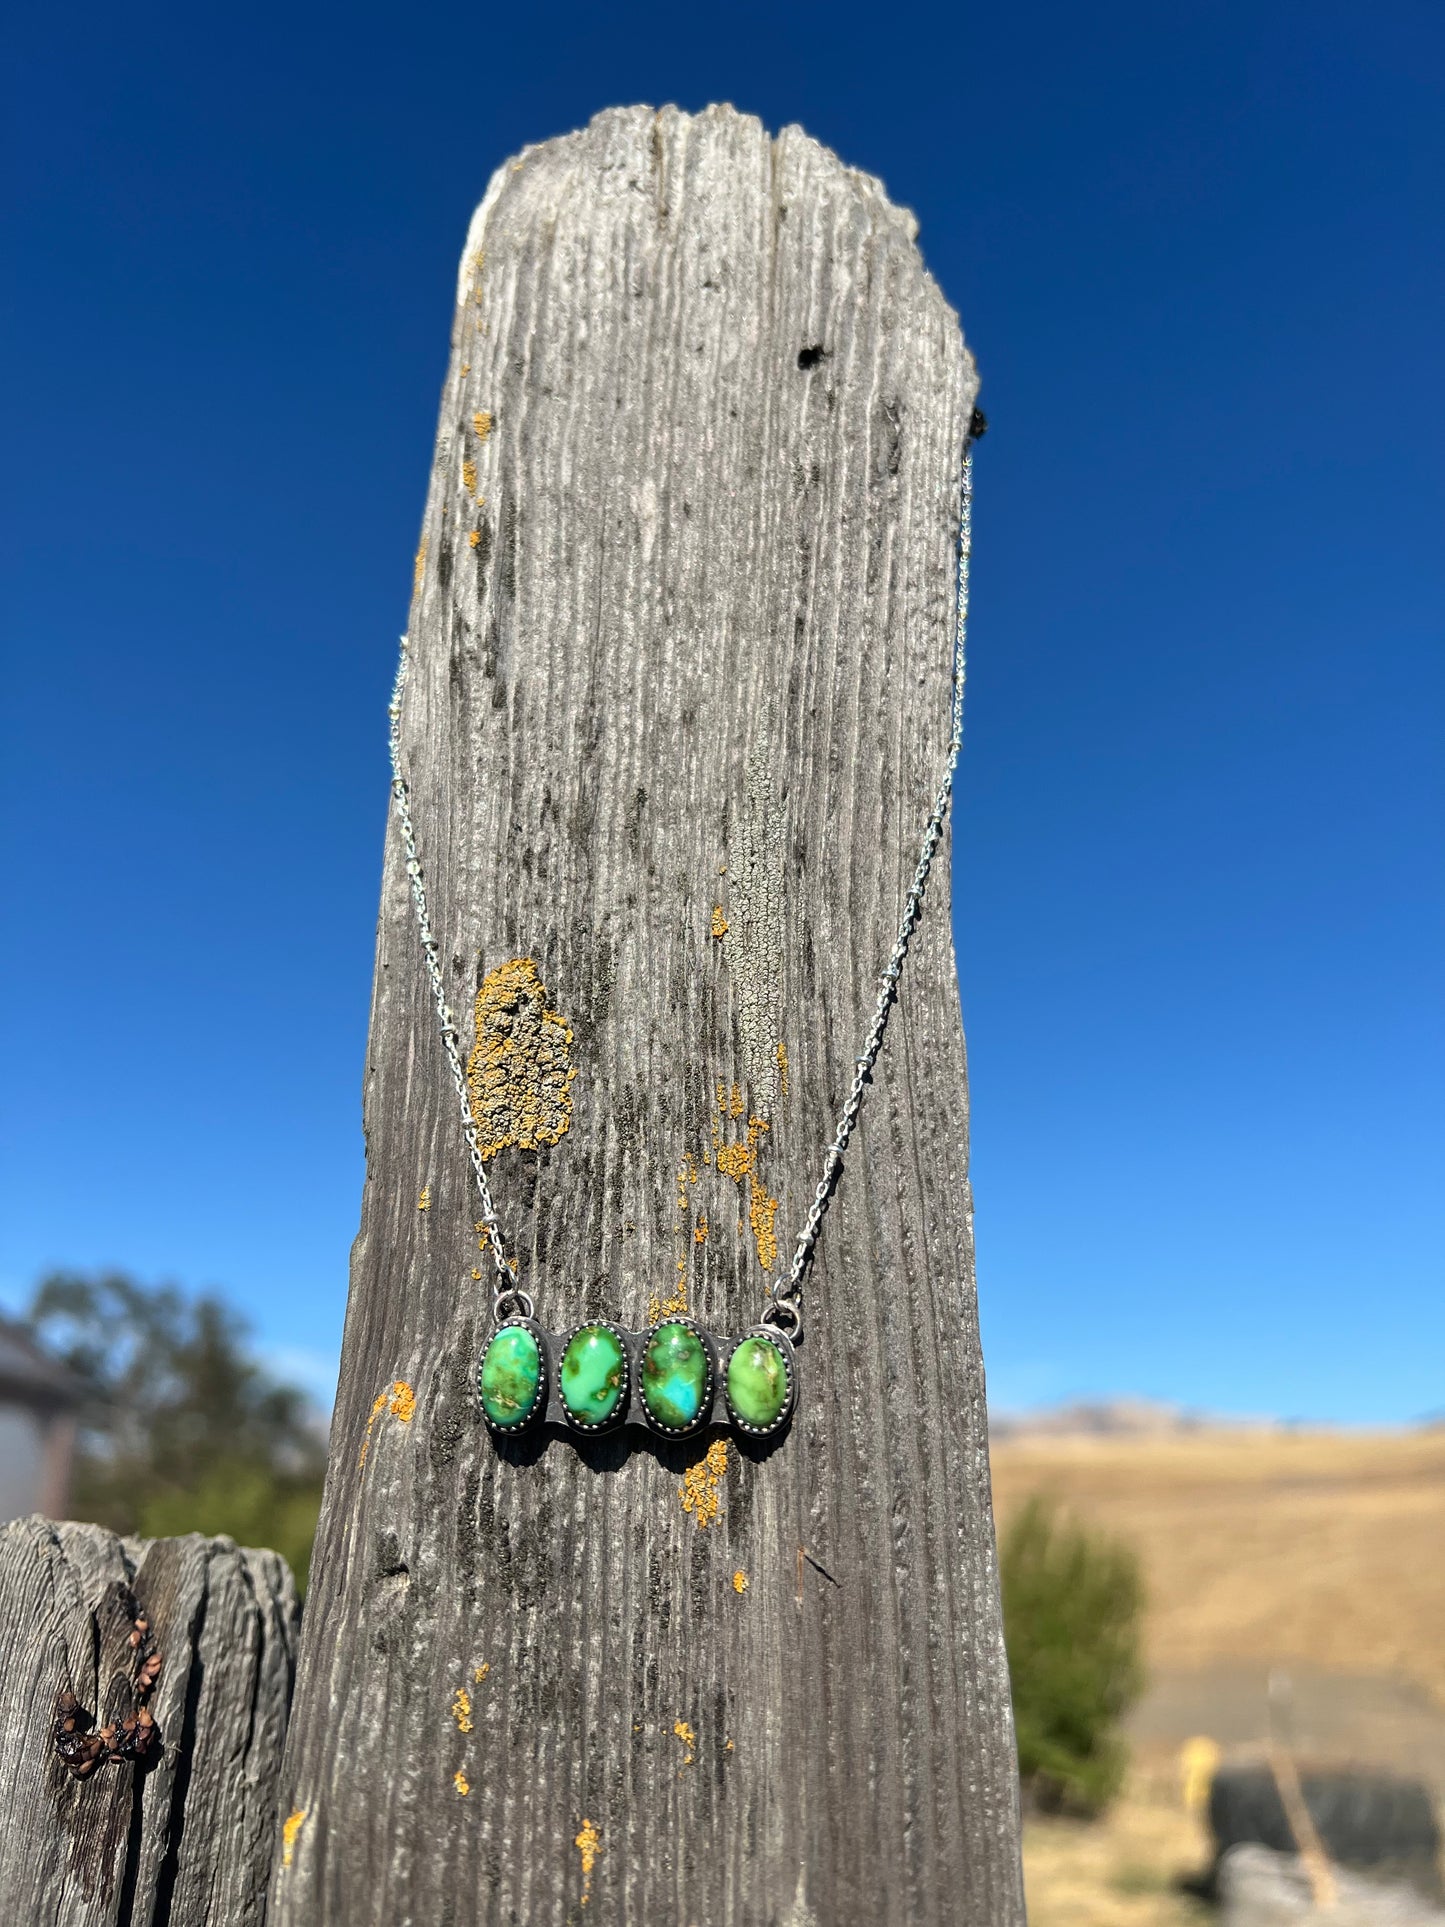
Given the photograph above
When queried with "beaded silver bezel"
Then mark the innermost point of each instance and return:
(705, 1405)
(624, 1396)
(539, 1402)
(785, 1351)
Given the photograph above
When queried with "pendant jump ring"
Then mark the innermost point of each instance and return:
(785, 1316)
(512, 1303)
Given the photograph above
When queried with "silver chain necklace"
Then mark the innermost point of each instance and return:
(688, 1379)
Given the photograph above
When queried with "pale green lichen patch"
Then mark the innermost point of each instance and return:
(753, 930)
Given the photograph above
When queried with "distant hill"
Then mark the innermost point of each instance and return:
(1108, 1418)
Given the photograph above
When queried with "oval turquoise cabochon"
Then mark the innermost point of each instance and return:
(510, 1376)
(757, 1381)
(594, 1372)
(676, 1375)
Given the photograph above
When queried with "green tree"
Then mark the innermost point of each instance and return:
(1072, 1602)
(184, 1429)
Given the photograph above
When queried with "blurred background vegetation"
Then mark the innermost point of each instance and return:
(183, 1428)
(1073, 1602)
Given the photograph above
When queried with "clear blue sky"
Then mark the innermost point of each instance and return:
(1196, 249)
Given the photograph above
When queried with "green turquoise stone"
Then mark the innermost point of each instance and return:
(674, 1375)
(594, 1368)
(510, 1376)
(757, 1381)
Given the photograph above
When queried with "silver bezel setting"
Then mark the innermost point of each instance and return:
(539, 1402)
(790, 1372)
(619, 1410)
(705, 1405)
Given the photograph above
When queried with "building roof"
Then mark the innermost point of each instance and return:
(29, 1376)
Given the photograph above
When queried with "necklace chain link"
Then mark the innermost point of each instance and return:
(785, 1305)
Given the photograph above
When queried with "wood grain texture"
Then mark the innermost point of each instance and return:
(186, 1839)
(679, 707)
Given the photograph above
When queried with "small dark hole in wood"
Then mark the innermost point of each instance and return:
(810, 357)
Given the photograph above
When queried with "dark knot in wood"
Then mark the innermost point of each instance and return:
(131, 1737)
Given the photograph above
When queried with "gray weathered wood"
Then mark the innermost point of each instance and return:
(185, 1840)
(681, 632)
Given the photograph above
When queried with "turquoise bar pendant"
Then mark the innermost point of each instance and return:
(673, 1380)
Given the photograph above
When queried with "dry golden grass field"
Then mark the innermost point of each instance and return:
(1277, 1547)
(1119, 1872)
(1318, 1553)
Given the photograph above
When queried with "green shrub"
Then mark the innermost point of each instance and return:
(1072, 1600)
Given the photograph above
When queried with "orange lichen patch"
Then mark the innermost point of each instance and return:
(466, 367)
(462, 1784)
(735, 1160)
(418, 568)
(762, 1211)
(479, 1673)
(730, 1103)
(719, 921)
(474, 540)
(482, 423)
(739, 1161)
(684, 1732)
(686, 1175)
(290, 1828)
(462, 1709)
(667, 1307)
(740, 1581)
(400, 1400)
(699, 1232)
(782, 1067)
(589, 1844)
(519, 1073)
(423, 1203)
(378, 1407)
(469, 477)
(701, 1488)
(483, 1236)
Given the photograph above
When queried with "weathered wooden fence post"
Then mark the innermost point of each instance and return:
(678, 709)
(180, 1835)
